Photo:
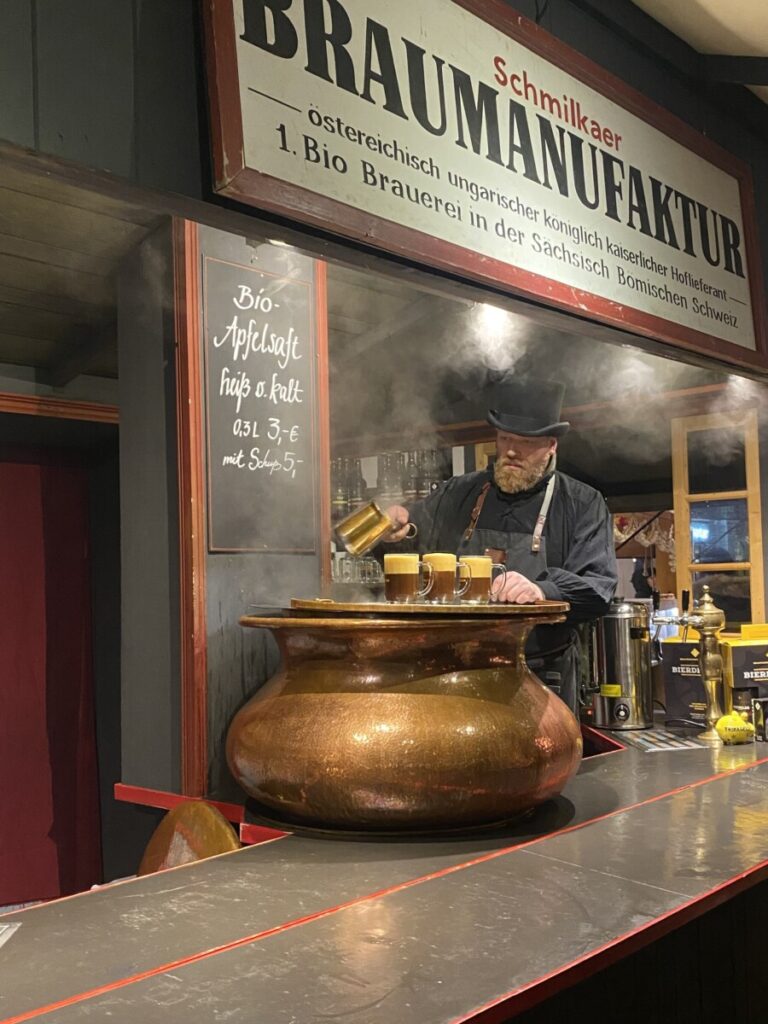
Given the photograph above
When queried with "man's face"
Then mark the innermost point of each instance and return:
(521, 461)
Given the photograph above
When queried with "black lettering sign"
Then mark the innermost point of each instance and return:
(390, 71)
(259, 376)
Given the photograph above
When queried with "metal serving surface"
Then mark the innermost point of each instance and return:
(495, 609)
(429, 932)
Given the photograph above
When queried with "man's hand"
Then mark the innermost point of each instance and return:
(514, 588)
(399, 517)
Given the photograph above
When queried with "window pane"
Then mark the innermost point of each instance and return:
(730, 591)
(716, 460)
(719, 531)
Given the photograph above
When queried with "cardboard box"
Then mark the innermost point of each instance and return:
(684, 690)
(745, 673)
(760, 717)
(741, 702)
(745, 658)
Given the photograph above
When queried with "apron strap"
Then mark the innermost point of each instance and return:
(475, 515)
(538, 530)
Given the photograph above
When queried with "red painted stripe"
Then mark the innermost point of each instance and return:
(522, 998)
(166, 801)
(603, 743)
(391, 890)
(254, 835)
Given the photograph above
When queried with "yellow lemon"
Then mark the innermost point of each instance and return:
(733, 729)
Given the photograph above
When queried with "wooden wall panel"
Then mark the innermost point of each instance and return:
(149, 518)
(17, 112)
(167, 130)
(85, 82)
(241, 660)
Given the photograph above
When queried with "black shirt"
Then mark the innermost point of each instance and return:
(579, 533)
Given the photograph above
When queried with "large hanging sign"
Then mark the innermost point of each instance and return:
(458, 134)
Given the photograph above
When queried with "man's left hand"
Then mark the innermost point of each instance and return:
(514, 588)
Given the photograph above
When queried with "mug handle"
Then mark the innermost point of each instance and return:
(431, 574)
(463, 589)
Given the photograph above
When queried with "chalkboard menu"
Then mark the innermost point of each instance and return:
(260, 420)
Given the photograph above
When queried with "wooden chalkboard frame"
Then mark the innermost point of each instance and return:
(193, 552)
(312, 287)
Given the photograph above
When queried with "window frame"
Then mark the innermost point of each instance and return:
(683, 498)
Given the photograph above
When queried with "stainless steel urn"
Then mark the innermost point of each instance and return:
(623, 655)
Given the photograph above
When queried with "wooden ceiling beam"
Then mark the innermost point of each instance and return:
(408, 316)
(27, 299)
(79, 358)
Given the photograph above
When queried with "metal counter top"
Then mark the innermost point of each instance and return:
(432, 932)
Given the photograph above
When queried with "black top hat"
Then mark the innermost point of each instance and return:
(532, 408)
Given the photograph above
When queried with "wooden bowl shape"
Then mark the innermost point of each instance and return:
(417, 724)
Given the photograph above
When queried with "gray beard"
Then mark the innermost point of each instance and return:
(512, 481)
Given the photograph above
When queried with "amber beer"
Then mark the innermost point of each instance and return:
(479, 569)
(445, 586)
(401, 578)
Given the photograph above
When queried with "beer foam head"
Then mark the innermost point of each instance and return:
(396, 565)
(479, 566)
(441, 561)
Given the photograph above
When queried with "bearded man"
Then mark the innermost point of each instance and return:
(554, 534)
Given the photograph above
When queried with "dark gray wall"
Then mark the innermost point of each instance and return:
(125, 828)
(149, 518)
(241, 660)
(111, 84)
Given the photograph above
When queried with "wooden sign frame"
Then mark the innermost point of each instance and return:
(311, 287)
(247, 185)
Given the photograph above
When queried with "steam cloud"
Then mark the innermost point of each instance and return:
(437, 370)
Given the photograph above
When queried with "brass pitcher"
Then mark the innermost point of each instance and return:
(362, 529)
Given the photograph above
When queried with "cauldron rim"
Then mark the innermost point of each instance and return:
(332, 622)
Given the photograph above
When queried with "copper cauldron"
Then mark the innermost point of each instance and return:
(403, 724)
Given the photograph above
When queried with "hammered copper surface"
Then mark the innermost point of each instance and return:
(387, 724)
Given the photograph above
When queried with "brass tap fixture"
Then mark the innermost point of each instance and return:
(707, 619)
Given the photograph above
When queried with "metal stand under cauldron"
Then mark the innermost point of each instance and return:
(388, 718)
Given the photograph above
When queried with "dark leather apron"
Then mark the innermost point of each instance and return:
(552, 651)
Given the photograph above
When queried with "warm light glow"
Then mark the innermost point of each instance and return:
(491, 318)
(497, 336)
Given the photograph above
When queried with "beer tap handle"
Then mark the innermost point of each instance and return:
(686, 602)
(655, 599)
(685, 633)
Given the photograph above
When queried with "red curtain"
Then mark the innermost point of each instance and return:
(49, 809)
